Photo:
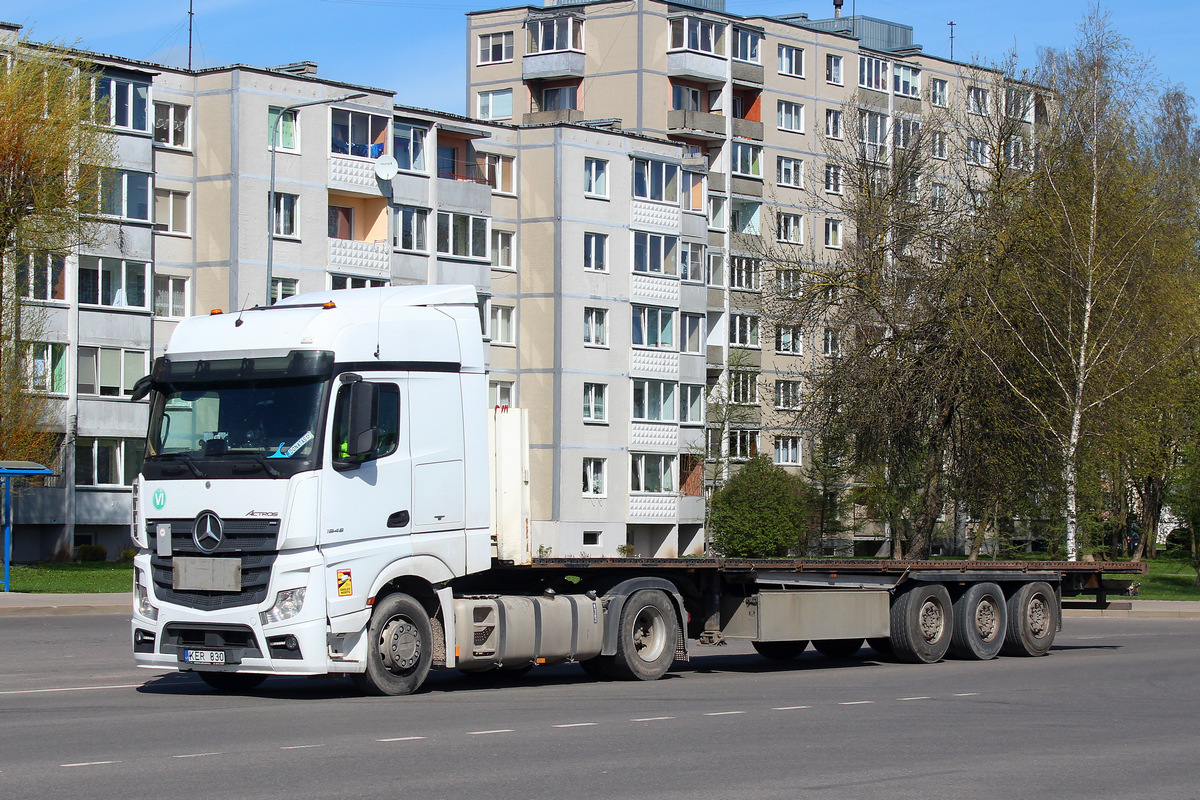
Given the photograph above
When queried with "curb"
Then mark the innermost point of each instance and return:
(33, 605)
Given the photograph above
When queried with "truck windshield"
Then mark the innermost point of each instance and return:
(269, 427)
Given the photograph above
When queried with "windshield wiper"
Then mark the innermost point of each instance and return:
(262, 462)
(185, 458)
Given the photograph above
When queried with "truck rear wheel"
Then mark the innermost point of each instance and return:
(838, 648)
(646, 637)
(400, 650)
(781, 651)
(1032, 620)
(980, 622)
(921, 622)
(232, 682)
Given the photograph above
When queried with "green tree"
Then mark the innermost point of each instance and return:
(762, 511)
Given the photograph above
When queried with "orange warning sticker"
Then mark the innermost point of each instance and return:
(345, 588)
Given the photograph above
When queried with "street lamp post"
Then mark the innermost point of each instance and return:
(274, 143)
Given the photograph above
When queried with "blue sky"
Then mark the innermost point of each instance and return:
(418, 49)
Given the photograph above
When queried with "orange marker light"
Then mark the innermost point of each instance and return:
(215, 311)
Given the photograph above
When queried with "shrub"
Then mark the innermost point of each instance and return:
(762, 512)
(93, 552)
(128, 553)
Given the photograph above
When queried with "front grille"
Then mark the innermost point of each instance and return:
(250, 540)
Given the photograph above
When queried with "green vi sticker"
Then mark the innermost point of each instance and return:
(160, 499)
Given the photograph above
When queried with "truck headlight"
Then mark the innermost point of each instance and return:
(141, 597)
(287, 605)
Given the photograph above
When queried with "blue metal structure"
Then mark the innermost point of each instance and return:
(8, 471)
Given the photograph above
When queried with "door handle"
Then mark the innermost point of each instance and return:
(398, 520)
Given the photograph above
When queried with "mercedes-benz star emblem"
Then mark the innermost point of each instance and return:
(207, 533)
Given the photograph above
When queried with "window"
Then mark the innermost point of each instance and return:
(833, 69)
(560, 98)
(655, 180)
(170, 296)
(790, 228)
(170, 211)
(701, 35)
(789, 339)
(654, 253)
(906, 133)
(872, 73)
(411, 222)
(46, 367)
(691, 262)
(791, 60)
(591, 538)
(354, 282)
(595, 327)
(496, 105)
(743, 330)
(123, 104)
(283, 288)
(495, 47)
(284, 134)
(691, 338)
(937, 196)
(171, 124)
(691, 404)
(500, 394)
(978, 152)
(502, 249)
(652, 327)
(716, 212)
(937, 250)
(500, 327)
(408, 145)
(107, 462)
(112, 282)
(743, 445)
(554, 34)
(595, 250)
(937, 141)
(746, 159)
(594, 402)
(833, 123)
(651, 474)
(595, 177)
(653, 401)
(41, 276)
(937, 92)
(109, 371)
(833, 179)
(388, 426)
(789, 172)
(745, 45)
(872, 134)
(833, 233)
(124, 194)
(744, 217)
(787, 395)
(906, 80)
(354, 133)
(832, 346)
(743, 387)
(716, 270)
(791, 116)
(1014, 152)
(462, 235)
(744, 273)
(685, 98)
(1018, 104)
(787, 450)
(341, 222)
(593, 478)
(977, 100)
(693, 191)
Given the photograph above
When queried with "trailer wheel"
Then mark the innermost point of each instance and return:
(232, 682)
(980, 622)
(881, 645)
(646, 637)
(781, 651)
(400, 650)
(1032, 620)
(921, 622)
(838, 648)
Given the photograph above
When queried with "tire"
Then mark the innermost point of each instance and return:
(838, 648)
(781, 651)
(1033, 618)
(399, 647)
(980, 623)
(232, 682)
(646, 636)
(881, 645)
(922, 624)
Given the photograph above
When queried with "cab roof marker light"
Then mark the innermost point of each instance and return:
(329, 304)
(213, 312)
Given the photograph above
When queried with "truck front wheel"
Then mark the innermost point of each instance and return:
(921, 624)
(646, 637)
(400, 651)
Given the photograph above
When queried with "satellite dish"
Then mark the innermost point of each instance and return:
(386, 167)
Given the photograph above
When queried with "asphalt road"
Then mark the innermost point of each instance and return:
(1112, 712)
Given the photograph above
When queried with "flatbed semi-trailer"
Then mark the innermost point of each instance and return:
(324, 493)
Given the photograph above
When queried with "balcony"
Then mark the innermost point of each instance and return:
(354, 174)
(696, 125)
(366, 257)
(747, 74)
(746, 187)
(698, 66)
(661, 508)
(560, 64)
(552, 117)
(748, 129)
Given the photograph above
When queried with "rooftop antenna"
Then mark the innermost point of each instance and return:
(951, 23)
(191, 16)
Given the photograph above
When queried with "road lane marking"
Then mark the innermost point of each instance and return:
(72, 689)
(577, 725)
(723, 713)
(650, 719)
(196, 755)
(301, 746)
(789, 708)
(401, 739)
(906, 699)
(89, 763)
(857, 703)
(486, 733)
(967, 694)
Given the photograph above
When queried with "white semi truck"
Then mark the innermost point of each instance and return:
(325, 493)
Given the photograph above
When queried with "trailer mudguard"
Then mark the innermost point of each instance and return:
(620, 593)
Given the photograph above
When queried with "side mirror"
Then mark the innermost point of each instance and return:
(362, 419)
